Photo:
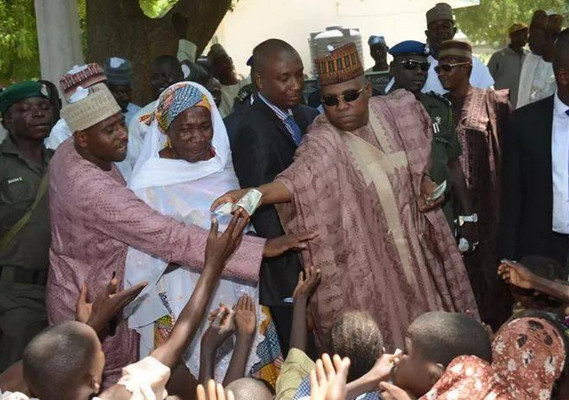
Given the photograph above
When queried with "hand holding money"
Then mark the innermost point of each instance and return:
(432, 196)
(248, 203)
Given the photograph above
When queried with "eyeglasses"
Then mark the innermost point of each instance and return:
(449, 67)
(348, 96)
(412, 65)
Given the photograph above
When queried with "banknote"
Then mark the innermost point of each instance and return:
(439, 191)
(249, 202)
(224, 209)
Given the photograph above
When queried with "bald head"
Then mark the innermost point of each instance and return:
(270, 50)
(59, 360)
(250, 388)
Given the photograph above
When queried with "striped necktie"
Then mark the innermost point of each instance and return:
(296, 132)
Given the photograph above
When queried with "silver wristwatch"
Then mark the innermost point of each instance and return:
(462, 219)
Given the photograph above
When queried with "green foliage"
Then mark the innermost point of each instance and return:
(18, 41)
(19, 50)
(489, 22)
(156, 8)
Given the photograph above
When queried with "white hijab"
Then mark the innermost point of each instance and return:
(150, 170)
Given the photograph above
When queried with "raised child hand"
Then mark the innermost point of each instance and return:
(516, 274)
(220, 247)
(214, 392)
(308, 281)
(99, 313)
(221, 327)
(245, 316)
(328, 379)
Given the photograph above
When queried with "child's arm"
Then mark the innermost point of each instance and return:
(217, 252)
(307, 284)
(221, 328)
(518, 275)
(218, 249)
(246, 324)
(369, 382)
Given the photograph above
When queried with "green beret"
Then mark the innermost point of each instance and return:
(20, 91)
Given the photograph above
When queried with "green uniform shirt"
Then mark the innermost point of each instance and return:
(19, 183)
(445, 146)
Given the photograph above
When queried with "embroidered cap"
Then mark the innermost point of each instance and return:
(84, 76)
(341, 65)
(90, 107)
(441, 11)
(455, 48)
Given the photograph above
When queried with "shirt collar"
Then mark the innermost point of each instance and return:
(559, 107)
(279, 112)
(8, 146)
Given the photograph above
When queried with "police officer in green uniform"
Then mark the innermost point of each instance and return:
(409, 68)
(25, 233)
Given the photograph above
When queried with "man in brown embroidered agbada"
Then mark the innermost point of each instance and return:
(480, 118)
(359, 180)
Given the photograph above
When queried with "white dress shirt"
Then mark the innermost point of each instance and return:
(560, 166)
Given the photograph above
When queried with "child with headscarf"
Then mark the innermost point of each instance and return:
(528, 357)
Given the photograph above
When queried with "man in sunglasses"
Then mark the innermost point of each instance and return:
(360, 181)
(480, 117)
(441, 27)
(409, 69)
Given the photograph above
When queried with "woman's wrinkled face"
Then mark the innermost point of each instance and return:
(191, 133)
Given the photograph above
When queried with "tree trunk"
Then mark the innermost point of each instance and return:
(120, 29)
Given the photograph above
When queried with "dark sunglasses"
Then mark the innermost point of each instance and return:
(412, 65)
(449, 67)
(348, 96)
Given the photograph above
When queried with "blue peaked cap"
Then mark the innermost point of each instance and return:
(409, 47)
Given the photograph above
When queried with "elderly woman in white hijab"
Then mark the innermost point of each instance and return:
(184, 165)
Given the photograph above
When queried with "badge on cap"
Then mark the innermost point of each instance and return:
(44, 90)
